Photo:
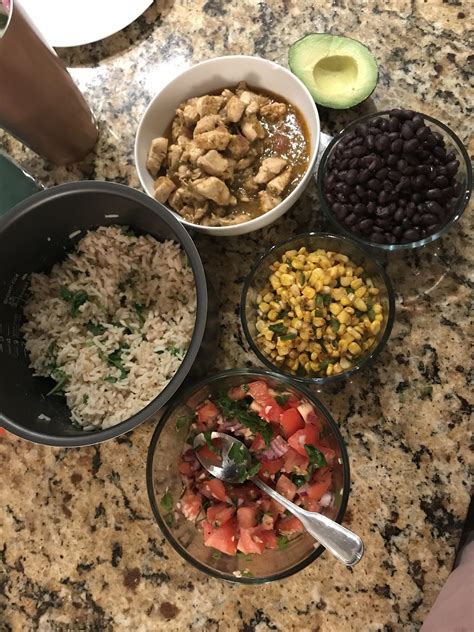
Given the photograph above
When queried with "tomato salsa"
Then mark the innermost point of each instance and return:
(284, 435)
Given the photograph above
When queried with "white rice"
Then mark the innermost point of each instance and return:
(141, 308)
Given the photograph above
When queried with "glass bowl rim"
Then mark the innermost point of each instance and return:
(366, 360)
(412, 244)
(262, 373)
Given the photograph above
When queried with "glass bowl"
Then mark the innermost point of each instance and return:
(258, 276)
(464, 178)
(163, 477)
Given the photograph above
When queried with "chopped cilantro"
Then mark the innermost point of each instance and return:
(245, 556)
(326, 299)
(279, 328)
(335, 324)
(281, 399)
(298, 479)
(283, 314)
(371, 314)
(51, 358)
(129, 232)
(237, 453)
(302, 278)
(283, 542)
(208, 440)
(239, 410)
(245, 388)
(111, 378)
(290, 336)
(115, 359)
(166, 502)
(316, 457)
(85, 398)
(247, 573)
(61, 378)
(216, 555)
(319, 300)
(139, 309)
(75, 298)
(95, 329)
(174, 350)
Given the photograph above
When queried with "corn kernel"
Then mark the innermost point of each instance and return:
(375, 327)
(335, 308)
(264, 307)
(297, 265)
(343, 317)
(360, 292)
(330, 369)
(377, 308)
(286, 279)
(303, 358)
(345, 364)
(360, 305)
(272, 314)
(275, 282)
(309, 292)
(355, 334)
(355, 284)
(298, 312)
(354, 348)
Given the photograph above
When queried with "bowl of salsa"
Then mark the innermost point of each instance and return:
(234, 531)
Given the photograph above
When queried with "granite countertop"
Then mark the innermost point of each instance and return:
(79, 546)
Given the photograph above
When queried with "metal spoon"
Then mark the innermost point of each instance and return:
(236, 459)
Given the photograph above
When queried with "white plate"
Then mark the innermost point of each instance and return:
(78, 22)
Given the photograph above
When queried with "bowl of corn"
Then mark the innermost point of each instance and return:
(317, 307)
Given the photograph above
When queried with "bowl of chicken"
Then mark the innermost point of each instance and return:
(228, 145)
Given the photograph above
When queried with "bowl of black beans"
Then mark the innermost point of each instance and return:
(395, 180)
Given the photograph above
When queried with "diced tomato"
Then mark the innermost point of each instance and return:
(286, 487)
(319, 487)
(186, 468)
(291, 421)
(307, 436)
(250, 541)
(270, 539)
(290, 524)
(264, 503)
(268, 468)
(247, 492)
(247, 517)
(276, 508)
(207, 413)
(295, 462)
(224, 538)
(214, 489)
(191, 504)
(220, 513)
(206, 529)
(270, 411)
(206, 453)
(258, 443)
(329, 454)
(312, 505)
(238, 392)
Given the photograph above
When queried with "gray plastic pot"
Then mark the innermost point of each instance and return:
(33, 236)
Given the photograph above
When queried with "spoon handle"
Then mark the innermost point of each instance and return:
(343, 543)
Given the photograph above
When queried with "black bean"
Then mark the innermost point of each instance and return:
(440, 171)
(374, 184)
(417, 122)
(457, 188)
(382, 143)
(392, 160)
(407, 130)
(404, 182)
(342, 187)
(420, 182)
(394, 176)
(409, 211)
(361, 129)
(358, 151)
(427, 219)
(422, 133)
(365, 225)
(441, 182)
(341, 211)
(371, 206)
(364, 175)
(407, 114)
(432, 229)
(397, 231)
(452, 167)
(439, 138)
(448, 193)
(396, 113)
(330, 181)
(382, 212)
(393, 124)
(351, 219)
(391, 239)
(402, 165)
(433, 207)
(360, 209)
(376, 163)
(398, 215)
(440, 153)
(344, 163)
(372, 195)
(410, 145)
(350, 176)
(381, 174)
(412, 234)
(353, 198)
(383, 223)
(412, 160)
(378, 238)
(330, 198)
(397, 146)
(423, 154)
(353, 163)
(383, 197)
(406, 223)
(370, 141)
(416, 218)
(450, 156)
(417, 197)
(430, 140)
(424, 169)
(434, 194)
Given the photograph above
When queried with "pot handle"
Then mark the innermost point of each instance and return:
(16, 184)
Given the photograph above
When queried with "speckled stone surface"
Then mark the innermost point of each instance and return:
(79, 547)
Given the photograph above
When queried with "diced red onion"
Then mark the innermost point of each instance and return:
(326, 500)
(306, 410)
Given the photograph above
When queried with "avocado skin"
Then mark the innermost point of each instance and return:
(319, 99)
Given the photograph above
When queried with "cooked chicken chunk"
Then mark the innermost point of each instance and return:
(209, 105)
(238, 146)
(267, 201)
(279, 184)
(213, 189)
(190, 112)
(243, 163)
(174, 155)
(252, 128)
(192, 152)
(156, 155)
(213, 163)
(240, 218)
(227, 94)
(270, 168)
(234, 109)
(164, 186)
(217, 139)
(179, 127)
(274, 111)
(207, 123)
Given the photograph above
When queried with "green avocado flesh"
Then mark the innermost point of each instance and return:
(338, 71)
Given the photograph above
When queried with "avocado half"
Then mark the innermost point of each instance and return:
(339, 72)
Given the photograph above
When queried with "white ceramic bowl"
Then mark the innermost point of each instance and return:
(211, 75)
